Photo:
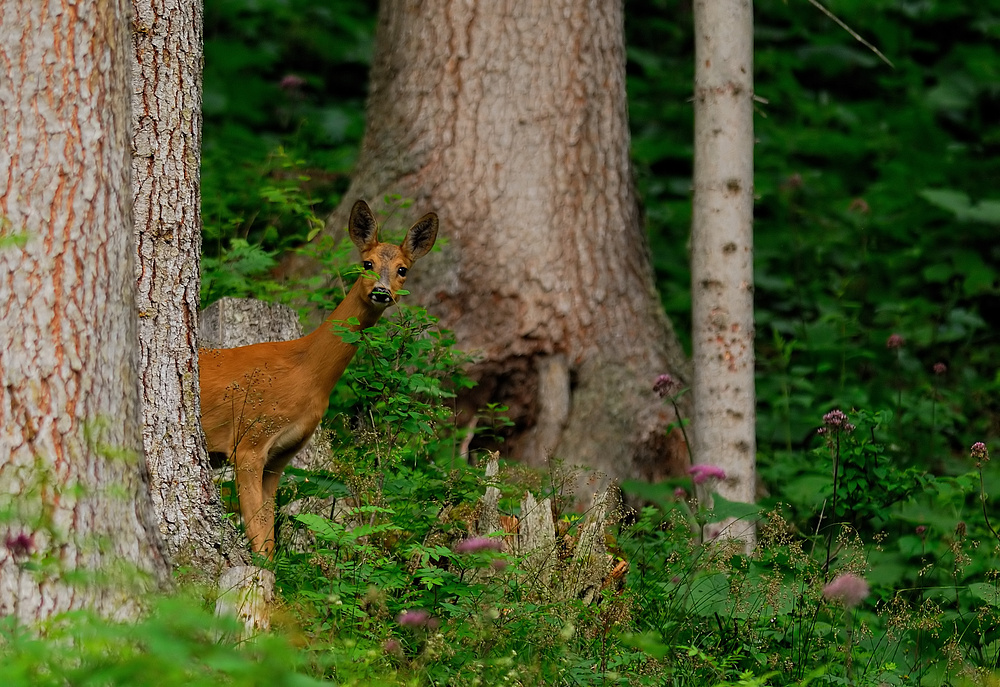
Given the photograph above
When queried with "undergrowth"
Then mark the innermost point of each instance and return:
(886, 577)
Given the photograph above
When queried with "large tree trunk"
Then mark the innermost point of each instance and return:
(166, 120)
(73, 485)
(509, 120)
(722, 252)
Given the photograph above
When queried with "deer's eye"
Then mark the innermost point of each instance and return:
(401, 271)
(367, 264)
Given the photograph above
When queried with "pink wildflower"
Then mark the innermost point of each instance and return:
(665, 386)
(20, 545)
(417, 618)
(894, 341)
(848, 589)
(792, 182)
(836, 419)
(940, 368)
(291, 82)
(477, 544)
(703, 473)
(980, 452)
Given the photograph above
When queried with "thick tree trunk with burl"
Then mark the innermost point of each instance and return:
(511, 123)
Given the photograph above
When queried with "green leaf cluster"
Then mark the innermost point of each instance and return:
(177, 643)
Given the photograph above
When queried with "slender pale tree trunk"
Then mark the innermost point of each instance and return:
(166, 155)
(74, 492)
(509, 120)
(724, 423)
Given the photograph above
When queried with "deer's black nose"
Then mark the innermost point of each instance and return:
(381, 296)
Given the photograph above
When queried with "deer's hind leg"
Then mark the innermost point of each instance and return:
(257, 512)
(271, 479)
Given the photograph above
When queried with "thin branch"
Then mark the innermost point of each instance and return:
(851, 31)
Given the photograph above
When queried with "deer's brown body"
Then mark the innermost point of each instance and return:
(261, 403)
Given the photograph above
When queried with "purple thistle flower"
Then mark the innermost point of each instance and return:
(291, 82)
(20, 545)
(477, 544)
(703, 473)
(836, 419)
(392, 646)
(894, 341)
(940, 368)
(848, 589)
(665, 386)
(980, 451)
(418, 618)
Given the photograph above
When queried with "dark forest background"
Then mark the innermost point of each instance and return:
(877, 210)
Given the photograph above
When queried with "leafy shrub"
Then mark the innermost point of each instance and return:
(176, 643)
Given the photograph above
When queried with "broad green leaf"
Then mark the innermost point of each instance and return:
(986, 592)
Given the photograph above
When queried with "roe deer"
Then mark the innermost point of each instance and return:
(261, 403)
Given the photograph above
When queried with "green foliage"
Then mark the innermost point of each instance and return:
(403, 379)
(176, 643)
(392, 579)
(238, 271)
(283, 109)
(876, 208)
(867, 481)
(10, 238)
(388, 595)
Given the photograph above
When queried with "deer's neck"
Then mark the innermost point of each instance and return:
(327, 353)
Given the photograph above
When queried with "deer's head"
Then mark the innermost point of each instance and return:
(385, 264)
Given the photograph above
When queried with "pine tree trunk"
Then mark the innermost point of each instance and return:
(166, 120)
(509, 120)
(724, 424)
(73, 485)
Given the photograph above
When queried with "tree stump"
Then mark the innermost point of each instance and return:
(233, 322)
(581, 575)
(246, 593)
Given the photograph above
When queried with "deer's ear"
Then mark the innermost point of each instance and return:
(363, 226)
(420, 238)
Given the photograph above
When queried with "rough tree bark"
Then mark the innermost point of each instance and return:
(166, 154)
(724, 422)
(509, 120)
(74, 489)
